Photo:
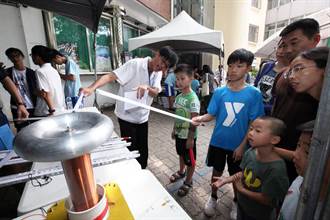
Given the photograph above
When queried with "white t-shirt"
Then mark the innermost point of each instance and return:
(49, 80)
(131, 75)
(290, 203)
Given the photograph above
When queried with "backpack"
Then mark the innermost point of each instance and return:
(266, 67)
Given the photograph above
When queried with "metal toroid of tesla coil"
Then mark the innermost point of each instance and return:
(68, 138)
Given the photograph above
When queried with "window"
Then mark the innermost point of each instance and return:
(281, 24)
(103, 49)
(296, 18)
(256, 3)
(253, 33)
(272, 4)
(269, 30)
(71, 39)
(131, 32)
(283, 2)
(76, 41)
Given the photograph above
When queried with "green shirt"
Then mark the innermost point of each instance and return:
(269, 178)
(185, 104)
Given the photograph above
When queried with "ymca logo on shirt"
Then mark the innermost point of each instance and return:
(232, 108)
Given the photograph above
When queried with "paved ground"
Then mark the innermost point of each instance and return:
(163, 161)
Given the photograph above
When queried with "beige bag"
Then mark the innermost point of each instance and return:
(205, 86)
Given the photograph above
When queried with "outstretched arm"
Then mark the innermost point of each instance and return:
(285, 154)
(110, 77)
(221, 181)
(196, 121)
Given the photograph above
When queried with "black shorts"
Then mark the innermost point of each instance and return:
(216, 158)
(188, 155)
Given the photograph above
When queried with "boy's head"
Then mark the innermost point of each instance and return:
(265, 131)
(300, 156)
(239, 63)
(299, 36)
(184, 76)
(57, 57)
(164, 59)
(15, 55)
(40, 54)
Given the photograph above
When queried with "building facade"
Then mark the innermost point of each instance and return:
(23, 27)
(242, 23)
(283, 12)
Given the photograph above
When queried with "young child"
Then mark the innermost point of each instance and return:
(233, 106)
(263, 181)
(300, 159)
(185, 134)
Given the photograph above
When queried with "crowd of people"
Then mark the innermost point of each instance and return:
(37, 93)
(262, 131)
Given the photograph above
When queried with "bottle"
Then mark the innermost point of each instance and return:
(68, 102)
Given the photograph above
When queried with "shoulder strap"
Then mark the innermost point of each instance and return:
(264, 69)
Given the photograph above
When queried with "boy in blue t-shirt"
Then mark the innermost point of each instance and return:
(71, 77)
(233, 107)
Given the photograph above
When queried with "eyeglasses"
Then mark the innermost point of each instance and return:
(296, 70)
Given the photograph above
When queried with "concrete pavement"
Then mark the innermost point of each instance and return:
(163, 162)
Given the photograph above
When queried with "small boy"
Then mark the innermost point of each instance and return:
(71, 77)
(300, 159)
(185, 134)
(233, 106)
(263, 181)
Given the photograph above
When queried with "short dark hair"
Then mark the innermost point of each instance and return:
(319, 55)
(308, 26)
(242, 56)
(184, 68)
(53, 53)
(168, 54)
(277, 126)
(43, 52)
(11, 50)
(207, 69)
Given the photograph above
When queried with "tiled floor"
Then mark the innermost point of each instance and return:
(163, 161)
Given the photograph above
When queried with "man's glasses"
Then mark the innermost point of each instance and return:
(295, 70)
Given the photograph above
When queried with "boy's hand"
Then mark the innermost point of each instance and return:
(22, 112)
(190, 143)
(173, 135)
(220, 181)
(196, 121)
(238, 153)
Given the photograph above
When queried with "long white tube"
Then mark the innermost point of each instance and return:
(123, 99)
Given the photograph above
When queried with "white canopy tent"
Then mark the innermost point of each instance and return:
(184, 34)
(268, 47)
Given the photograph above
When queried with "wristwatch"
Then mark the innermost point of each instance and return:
(51, 110)
(20, 103)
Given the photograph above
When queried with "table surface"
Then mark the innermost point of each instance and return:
(145, 196)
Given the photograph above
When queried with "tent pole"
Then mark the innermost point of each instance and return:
(95, 74)
(310, 200)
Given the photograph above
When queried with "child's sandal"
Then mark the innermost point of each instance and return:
(184, 189)
(176, 176)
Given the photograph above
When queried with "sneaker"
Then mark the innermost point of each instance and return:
(233, 212)
(210, 207)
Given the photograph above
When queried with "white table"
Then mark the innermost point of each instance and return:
(145, 196)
